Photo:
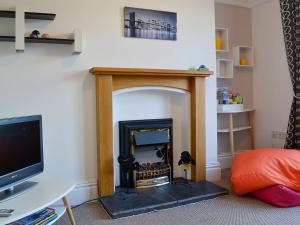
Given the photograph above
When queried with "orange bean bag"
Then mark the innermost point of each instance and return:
(257, 169)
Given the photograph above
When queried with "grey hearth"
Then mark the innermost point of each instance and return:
(150, 199)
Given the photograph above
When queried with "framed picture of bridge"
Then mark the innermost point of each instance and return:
(150, 24)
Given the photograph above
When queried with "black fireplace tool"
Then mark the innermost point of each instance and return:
(186, 161)
(128, 163)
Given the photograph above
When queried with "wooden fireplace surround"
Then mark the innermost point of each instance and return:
(112, 79)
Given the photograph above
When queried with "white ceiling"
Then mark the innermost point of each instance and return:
(244, 3)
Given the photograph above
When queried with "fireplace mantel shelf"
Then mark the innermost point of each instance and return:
(149, 72)
(109, 80)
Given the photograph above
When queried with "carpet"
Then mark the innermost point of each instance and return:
(226, 210)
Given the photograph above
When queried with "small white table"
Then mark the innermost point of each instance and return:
(46, 193)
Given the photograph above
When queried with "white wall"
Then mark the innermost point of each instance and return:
(49, 80)
(272, 85)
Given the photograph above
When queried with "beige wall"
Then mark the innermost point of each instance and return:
(238, 22)
(272, 85)
(271, 91)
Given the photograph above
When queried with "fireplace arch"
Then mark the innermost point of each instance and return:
(149, 88)
(143, 103)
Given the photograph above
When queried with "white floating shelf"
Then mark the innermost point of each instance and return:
(77, 36)
(230, 107)
(243, 56)
(20, 15)
(20, 28)
(237, 129)
(229, 154)
(236, 111)
(222, 51)
(222, 35)
(246, 66)
(224, 68)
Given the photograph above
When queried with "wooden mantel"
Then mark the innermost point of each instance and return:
(149, 72)
(111, 79)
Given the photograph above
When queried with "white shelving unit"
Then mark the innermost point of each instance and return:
(222, 33)
(234, 129)
(77, 46)
(235, 124)
(243, 56)
(230, 107)
(225, 68)
(20, 28)
(236, 111)
(230, 155)
(231, 129)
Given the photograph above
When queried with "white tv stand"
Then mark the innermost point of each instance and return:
(46, 193)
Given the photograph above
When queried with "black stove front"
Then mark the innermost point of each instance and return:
(150, 143)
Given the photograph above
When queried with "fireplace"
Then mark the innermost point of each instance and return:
(142, 200)
(150, 142)
(109, 80)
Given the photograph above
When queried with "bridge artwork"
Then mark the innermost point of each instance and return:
(150, 24)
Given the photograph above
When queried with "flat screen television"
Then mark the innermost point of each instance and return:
(21, 150)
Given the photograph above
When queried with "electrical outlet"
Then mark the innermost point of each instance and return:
(278, 139)
(278, 135)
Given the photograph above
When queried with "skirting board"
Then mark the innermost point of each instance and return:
(213, 171)
(225, 161)
(88, 191)
(83, 192)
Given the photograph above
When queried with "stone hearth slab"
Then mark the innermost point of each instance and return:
(155, 198)
(194, 191)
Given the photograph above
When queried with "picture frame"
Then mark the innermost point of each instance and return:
(150, 24)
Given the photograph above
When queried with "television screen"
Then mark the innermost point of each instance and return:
(20, 146)
(21, 150)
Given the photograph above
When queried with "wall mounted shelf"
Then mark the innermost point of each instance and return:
(20, 16)
(222, 36)
(244, 66)
(229, 154)
(49, 40)
(224, 68)
(28, 15)
(234, 112)
(243, 56)
(8, 38)
(236, 129)
(39, 40)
